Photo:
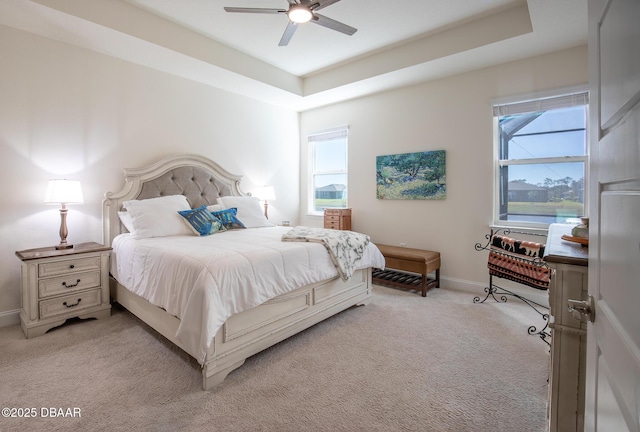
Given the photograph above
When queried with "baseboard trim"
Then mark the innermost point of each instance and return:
(9, 318)
(461, 285)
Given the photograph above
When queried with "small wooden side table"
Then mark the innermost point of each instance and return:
(62, 284)
(337, 218)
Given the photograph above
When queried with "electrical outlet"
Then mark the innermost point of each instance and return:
(285, 223)
(403, 245)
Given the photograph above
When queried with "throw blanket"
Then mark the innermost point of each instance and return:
(519, 270)
(345, 247)
(519, 261)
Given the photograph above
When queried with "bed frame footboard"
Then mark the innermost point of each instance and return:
(254, 330)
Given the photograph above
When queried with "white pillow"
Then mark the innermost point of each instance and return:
(158, 217)
(250, 212)
(215, 207)
(127, 220)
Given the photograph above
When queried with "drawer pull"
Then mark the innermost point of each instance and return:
(72, 305)
(71, 285)
(72, 266)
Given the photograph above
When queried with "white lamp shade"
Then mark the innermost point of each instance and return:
(265, 193)
(64, 191)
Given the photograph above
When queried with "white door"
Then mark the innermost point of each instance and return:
(613, 339)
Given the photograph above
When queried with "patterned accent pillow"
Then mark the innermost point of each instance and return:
(201, 221)
(229, 219)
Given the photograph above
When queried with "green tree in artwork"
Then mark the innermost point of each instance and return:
(412, 163)
(383, 164)
(436, 164)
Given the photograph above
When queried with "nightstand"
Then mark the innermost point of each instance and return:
(62, 284)
(337, 218)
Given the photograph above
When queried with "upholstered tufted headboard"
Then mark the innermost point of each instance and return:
(197, 184)
(201, 180)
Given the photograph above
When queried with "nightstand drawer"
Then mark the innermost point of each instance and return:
(68, 283)
(335, 212)
(332, 224)
(65, 267)
(71, 302)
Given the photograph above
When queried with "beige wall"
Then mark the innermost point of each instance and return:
(452, 114)
(68, 112)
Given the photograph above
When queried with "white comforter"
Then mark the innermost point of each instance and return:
(205, 280)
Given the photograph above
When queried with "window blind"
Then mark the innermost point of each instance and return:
(328, 135)
(545, 104)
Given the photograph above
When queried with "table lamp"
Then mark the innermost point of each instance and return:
(64, 192)
(265, 193)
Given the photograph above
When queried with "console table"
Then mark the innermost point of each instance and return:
(568, 334)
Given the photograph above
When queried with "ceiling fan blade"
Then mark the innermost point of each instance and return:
(292, 2)
(288, 33)
(255, 10)
(319, 4)
(333, 24)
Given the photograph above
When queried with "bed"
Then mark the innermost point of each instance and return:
(220, 333)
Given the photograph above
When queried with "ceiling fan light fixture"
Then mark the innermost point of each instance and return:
(299, 14)
(300, 11)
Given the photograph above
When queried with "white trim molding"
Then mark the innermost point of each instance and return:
(9, 318)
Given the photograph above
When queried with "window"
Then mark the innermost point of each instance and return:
(542, 160)
(328, 170)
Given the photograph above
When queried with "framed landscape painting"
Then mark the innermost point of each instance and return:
(411, 176)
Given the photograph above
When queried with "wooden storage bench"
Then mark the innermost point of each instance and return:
(405, 259)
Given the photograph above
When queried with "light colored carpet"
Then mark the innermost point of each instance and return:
(401, 363)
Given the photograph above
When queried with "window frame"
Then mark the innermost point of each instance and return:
(313, 140)
(542, 101)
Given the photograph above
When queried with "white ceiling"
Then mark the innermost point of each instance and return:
(313, 47)
(397, 43)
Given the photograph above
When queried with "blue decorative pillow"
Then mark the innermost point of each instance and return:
(201, 221)
(228, 218)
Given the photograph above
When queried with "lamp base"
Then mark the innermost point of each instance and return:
(64, 246)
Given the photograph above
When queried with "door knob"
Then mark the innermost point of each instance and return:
(582, 309)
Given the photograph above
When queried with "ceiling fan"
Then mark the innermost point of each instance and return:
(301, 11)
